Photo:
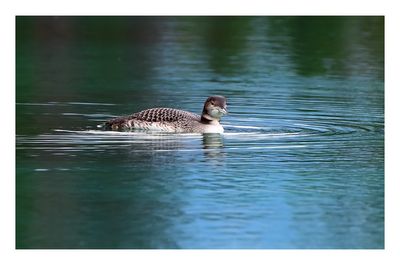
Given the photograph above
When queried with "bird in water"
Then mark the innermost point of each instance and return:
(174, 120)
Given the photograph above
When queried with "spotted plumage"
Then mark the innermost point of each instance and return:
(174, 120)
(163, 115)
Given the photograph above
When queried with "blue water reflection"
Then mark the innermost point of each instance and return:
(300, 165)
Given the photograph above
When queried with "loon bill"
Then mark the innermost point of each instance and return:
(174, 120)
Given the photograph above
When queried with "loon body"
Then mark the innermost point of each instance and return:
(174, 120)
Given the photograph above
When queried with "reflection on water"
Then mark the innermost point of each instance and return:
(300, 164)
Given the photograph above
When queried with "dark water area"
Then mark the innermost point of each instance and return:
(300, 164)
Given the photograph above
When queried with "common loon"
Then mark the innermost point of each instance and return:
(174, 120)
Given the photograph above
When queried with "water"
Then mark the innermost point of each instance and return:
(300, 165)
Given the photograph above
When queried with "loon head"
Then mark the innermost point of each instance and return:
(214, 108)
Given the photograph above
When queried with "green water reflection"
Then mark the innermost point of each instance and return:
(300, 166)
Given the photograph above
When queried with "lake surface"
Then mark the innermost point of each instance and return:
(300, 165)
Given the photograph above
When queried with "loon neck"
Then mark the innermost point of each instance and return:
(207, 119)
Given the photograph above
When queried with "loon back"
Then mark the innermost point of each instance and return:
(162, 115)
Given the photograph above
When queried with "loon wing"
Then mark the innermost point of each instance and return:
(164, 115)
